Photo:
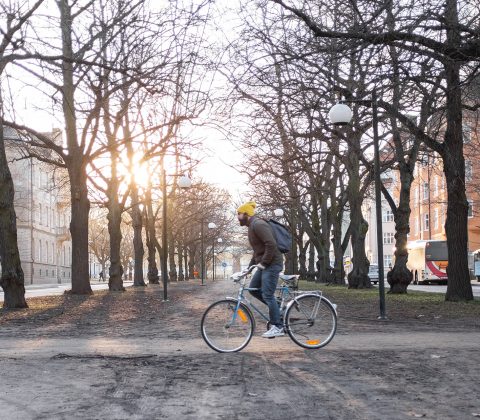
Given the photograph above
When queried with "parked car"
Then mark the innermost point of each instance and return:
(373, 273)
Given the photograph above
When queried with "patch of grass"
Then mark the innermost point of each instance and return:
(414, 304)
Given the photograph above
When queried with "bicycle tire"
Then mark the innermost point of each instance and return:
(217, 330)
(306, 331)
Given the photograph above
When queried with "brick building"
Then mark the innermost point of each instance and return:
(429, 192)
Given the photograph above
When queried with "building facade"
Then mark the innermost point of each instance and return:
(388, 225)
(43, 213)
(429, 192)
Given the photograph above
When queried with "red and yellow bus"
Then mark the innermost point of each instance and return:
(428, 261)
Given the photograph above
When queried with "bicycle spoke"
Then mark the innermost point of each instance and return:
(223, 329)
(311, 321)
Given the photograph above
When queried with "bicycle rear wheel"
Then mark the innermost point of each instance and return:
(224, 330)
(311, 321)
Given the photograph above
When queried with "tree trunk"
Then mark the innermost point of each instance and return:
(172, 273)
(138, 250)
(358, 277)
(152, 274)
(185, 263)
(79, 228)
(338, 276)
(302, 260)
(181, 276)
(114, 217)
(12, 280)
(456, 226)
(311, 273)
(191, 262)
(75, 163)
(400, 276)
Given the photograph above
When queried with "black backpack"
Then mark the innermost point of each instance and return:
(282, 236)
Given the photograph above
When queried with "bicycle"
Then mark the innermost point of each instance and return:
(309, 318)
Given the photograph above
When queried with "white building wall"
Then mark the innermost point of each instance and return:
(42, 220)
(388, 228)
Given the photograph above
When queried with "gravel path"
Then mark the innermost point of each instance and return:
(132, 356)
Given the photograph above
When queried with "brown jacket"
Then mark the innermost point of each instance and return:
(260, 236)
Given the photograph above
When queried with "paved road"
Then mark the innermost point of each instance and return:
(57, 289)
(433, 288)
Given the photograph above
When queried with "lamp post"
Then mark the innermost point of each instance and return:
(219, 240)
(212, 226)
(183, 182)
(341, 114)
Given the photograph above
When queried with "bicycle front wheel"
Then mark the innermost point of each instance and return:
(311, 321)
(226, 330)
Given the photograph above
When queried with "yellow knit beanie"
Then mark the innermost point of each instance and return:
(248, 208)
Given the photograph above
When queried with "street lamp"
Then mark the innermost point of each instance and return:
(183, 182)
(278, 212)
(341, 114)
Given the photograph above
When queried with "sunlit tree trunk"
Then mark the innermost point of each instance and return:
(12, 278)
(80, 204)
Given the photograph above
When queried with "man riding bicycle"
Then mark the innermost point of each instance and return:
(269, 261)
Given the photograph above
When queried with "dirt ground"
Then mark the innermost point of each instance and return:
(131, 356)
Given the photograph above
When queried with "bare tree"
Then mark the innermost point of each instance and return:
(15, 17)
(451, 38)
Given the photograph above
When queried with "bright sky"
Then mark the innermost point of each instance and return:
(219, 156)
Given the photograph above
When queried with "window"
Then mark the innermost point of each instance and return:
(47, 211)
(387, 261)
(435, 219)
(435, 186)
(40, 214)
(388, 238)
(468, 170)
(470, 208)
(426, 221)
(467, 134)
(47, 253)
(388, 216)
(40, 253)
(426, 190)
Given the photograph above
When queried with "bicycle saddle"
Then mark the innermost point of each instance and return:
(288, 277)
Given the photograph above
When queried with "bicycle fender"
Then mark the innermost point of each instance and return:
(243, 306)
(294, 300)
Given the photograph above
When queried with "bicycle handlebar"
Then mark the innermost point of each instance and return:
(242, 274)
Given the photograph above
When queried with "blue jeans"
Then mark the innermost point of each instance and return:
(267, 280)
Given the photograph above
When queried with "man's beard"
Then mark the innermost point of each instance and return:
(243, 222)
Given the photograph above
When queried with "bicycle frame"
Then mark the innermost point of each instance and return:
(285, 292)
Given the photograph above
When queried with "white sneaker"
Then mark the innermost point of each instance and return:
(273, 332)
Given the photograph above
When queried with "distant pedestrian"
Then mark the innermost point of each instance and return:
(101, 276)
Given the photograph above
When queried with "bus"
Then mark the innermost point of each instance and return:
(476, 264)
(428, 261)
